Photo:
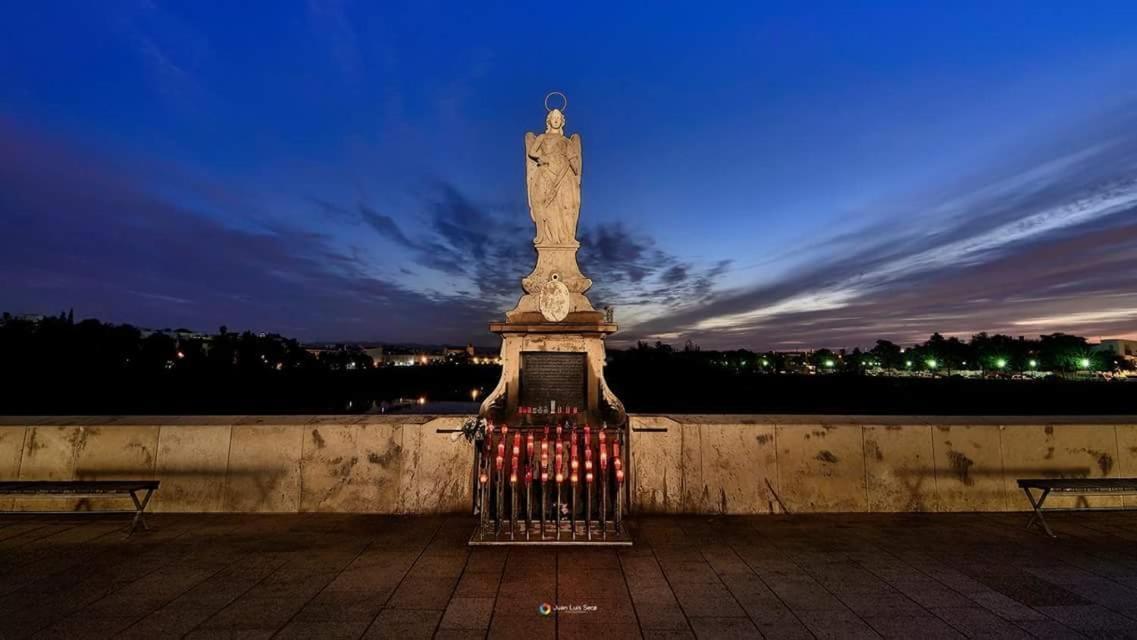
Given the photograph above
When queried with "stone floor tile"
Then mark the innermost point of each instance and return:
(975, 622)
(460, 634)
(654, 615)
(1091, 617)
(523, 625)
(82, 628)
(924, 627)
(323, 629)
(423, 593)
(837, 625)
(724, 629)
(1003, 606)
(403, 624)
(478, 585)
(486, 560)
(670, 634)
(592, 630)
(468, 613)
(707, 601)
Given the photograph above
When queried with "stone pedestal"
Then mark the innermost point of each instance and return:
(587, 338)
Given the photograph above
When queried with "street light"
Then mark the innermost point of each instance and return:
(1001, 363)
(829, 364)
(1085, 362)
(1033, 364)
(931, 363)
(474, 395)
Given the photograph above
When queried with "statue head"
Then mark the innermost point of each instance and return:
(555, 121)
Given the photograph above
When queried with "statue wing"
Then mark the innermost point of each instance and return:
(574, 143)
(530, 171)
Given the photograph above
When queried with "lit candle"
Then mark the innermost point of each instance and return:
(619, 475)
(573, 477)
(504, 432)
(516, 444)
(529, 447)
(603, 455)
(500, 463)
(483, 478)
(588, 477)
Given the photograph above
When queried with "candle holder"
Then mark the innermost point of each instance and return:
(518, 467)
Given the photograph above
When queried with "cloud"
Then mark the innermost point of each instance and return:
(75, 234)
(491, 248)
(1049, 247)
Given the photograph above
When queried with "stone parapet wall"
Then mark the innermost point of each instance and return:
(744, 464)
(679, 464)
(371, 464)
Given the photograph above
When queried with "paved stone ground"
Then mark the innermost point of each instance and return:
(353, 576)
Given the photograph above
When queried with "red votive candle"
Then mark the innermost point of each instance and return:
(529, 447)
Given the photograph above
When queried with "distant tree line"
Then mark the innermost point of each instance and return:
(1057, 352)
(56, 365)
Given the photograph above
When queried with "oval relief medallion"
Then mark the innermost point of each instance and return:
(555, 300)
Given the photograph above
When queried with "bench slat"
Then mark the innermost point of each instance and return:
(69, 487)
(1089, 485)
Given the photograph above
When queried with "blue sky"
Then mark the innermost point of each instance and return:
(768, 175)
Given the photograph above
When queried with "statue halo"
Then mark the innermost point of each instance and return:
(564, 101)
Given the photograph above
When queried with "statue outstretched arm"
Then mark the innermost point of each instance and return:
(530, 137)
(575, 155)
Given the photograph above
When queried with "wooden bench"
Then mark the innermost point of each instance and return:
(88, 489)
(1071, 487)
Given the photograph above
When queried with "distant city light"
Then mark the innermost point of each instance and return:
(932, 363)
(473, 394)
(1033, 363)
(765, 362)
(829, 364)
(1085, 362)
(908, 363)
(181, 355)
(422, 400)
(1001, 363)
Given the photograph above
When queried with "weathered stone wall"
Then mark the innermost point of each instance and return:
(679, 464)
(744, 464)
(371, 464)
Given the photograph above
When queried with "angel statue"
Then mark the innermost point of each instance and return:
(552, 172)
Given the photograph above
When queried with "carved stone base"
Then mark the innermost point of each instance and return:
(565, 337)
(554, 264)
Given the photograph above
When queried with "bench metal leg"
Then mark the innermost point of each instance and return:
(1037, 506)
(140, 506)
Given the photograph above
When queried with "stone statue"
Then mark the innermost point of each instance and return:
(552, 172)
(554, 314)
